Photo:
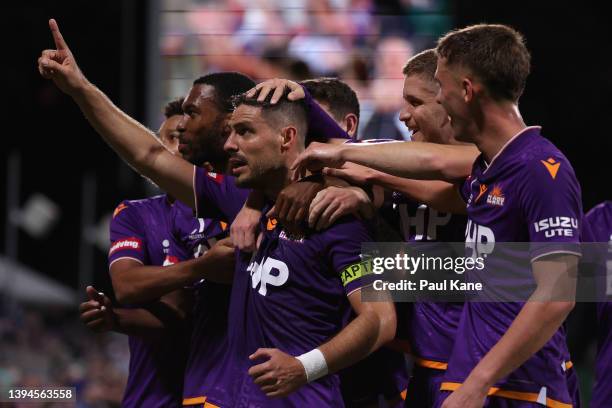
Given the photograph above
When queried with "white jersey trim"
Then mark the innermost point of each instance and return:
(125, 257)
(559, 251)
(195, 193)
(507, 144)
(359, 288)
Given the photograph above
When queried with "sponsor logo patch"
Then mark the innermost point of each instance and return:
(483, 189)
(557, 226)
(170, 260)
(215, 176)
(119, 208)
(496, 196)
(124, 244)
(552, 166)
(271, 272)
(271, 224)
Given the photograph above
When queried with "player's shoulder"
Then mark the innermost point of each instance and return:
(130, 209)
(345, 229)
(599, 211)
(542, 161)
(209, 175)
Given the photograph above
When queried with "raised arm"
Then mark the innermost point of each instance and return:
(136, 144)
(418, 160)
(440, 195)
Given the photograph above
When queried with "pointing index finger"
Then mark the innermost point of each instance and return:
(60, 44)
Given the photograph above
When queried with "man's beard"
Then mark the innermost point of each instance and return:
(209, 148)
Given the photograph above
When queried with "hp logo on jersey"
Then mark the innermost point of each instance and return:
(270, 272)
(479, 239)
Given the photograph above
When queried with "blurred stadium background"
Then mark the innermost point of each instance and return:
(61, 182)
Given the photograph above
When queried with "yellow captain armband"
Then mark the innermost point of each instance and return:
(356, 271)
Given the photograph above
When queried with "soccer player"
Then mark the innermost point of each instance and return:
(359, 387)
(375, 323)
(599, 219)
(139, 236)
(265, 139)
(200, 139)
(431, 326)
(506, 354)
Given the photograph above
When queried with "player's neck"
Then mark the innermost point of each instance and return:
(218, 166)
(500, 123)
(275, 182)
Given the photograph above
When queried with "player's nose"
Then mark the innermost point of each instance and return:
(230, 143)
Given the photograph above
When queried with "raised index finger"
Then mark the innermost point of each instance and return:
(60, 44)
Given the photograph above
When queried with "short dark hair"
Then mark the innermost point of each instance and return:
(282, 113)
(495, 53)
(336, 94)
(174, 107)
(424, 64)
(226, 84)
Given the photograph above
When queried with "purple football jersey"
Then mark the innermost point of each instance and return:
(139, 231)
(600, 222)
(432, 325)
(292, 295)
(528, 193)
(216, 195)
(190, 238)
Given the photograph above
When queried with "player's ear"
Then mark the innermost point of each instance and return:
(351, 122)
(468, 89)
(289, 135)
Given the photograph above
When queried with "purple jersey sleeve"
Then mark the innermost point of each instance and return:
(465, 188)
(321, 126)
(343, 244)
(550, 200)
(126, 235)
(216, 195)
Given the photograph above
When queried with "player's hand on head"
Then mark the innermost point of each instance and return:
(97, 312)
(316, 157)
(335, 202)
(277, 86)
(244, 229)
(279, 374)
(59, 64)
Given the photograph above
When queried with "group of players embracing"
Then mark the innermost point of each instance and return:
(241, 286)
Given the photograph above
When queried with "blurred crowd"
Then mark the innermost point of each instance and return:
(364, 42)
(51, 348)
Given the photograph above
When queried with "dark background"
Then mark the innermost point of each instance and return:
(568, 93)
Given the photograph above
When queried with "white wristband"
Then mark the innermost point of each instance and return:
(314, 363)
